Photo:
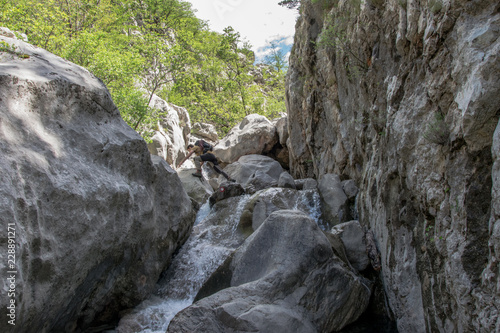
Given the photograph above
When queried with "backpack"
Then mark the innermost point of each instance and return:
(204, 145)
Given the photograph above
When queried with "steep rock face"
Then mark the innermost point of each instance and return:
(403, 97)
(96, 218)
(171, 138)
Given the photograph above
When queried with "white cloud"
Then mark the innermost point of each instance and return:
(257, 21)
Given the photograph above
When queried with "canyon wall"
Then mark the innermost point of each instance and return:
(403, 96)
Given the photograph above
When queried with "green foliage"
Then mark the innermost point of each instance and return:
(41, 21)
(437, 131)
(435, 6)
(276, 58)
(139, 48)
(6, 47)
(219, 88)
(335, 36)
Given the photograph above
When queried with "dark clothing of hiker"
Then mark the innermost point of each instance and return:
(205, 146)
(202, 156)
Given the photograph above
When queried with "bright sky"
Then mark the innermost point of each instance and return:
(257, 21)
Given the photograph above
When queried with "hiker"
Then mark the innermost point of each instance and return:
(204, 153)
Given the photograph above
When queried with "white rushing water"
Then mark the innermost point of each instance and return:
(214, 237)
(202, 213)
(309, 202)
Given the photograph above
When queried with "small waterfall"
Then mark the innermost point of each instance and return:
(309, 202)
(202, 213)
(213, 239)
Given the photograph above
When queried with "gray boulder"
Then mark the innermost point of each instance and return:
(306, 184)
(334, 199)
(353, 237)
(97, 219)
(256, 170)
(254, 135)
(265, 202)
(198, 189)
(271, 284)
(350, 189)
(286, 180)
(226, 190)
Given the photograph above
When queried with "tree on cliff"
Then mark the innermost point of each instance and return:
(289, 3)
(276, 58)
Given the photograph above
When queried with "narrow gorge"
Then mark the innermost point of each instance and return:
(371, 206)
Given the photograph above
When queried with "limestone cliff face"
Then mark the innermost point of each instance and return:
(404, 97)
(93, 218)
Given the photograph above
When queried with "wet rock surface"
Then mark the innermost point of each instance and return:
(272, 284)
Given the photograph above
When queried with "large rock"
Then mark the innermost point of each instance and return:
(272, 284)
(282, 130)
(335, 201)
(407, 107)
(204, 131)
(265, 202)
(353, 237)
(255, 170)
(226, 190)
(254, 135)
(96, 218)
(198, 189)
(286, 180)
(171, 138)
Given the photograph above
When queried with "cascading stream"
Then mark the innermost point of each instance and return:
(211, 242)
(309, 202)
(214, 237)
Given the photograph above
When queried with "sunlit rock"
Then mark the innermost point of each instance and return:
(256, 170)
(96, 218)
(171, 137)
(204, 131)
(254, 135)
